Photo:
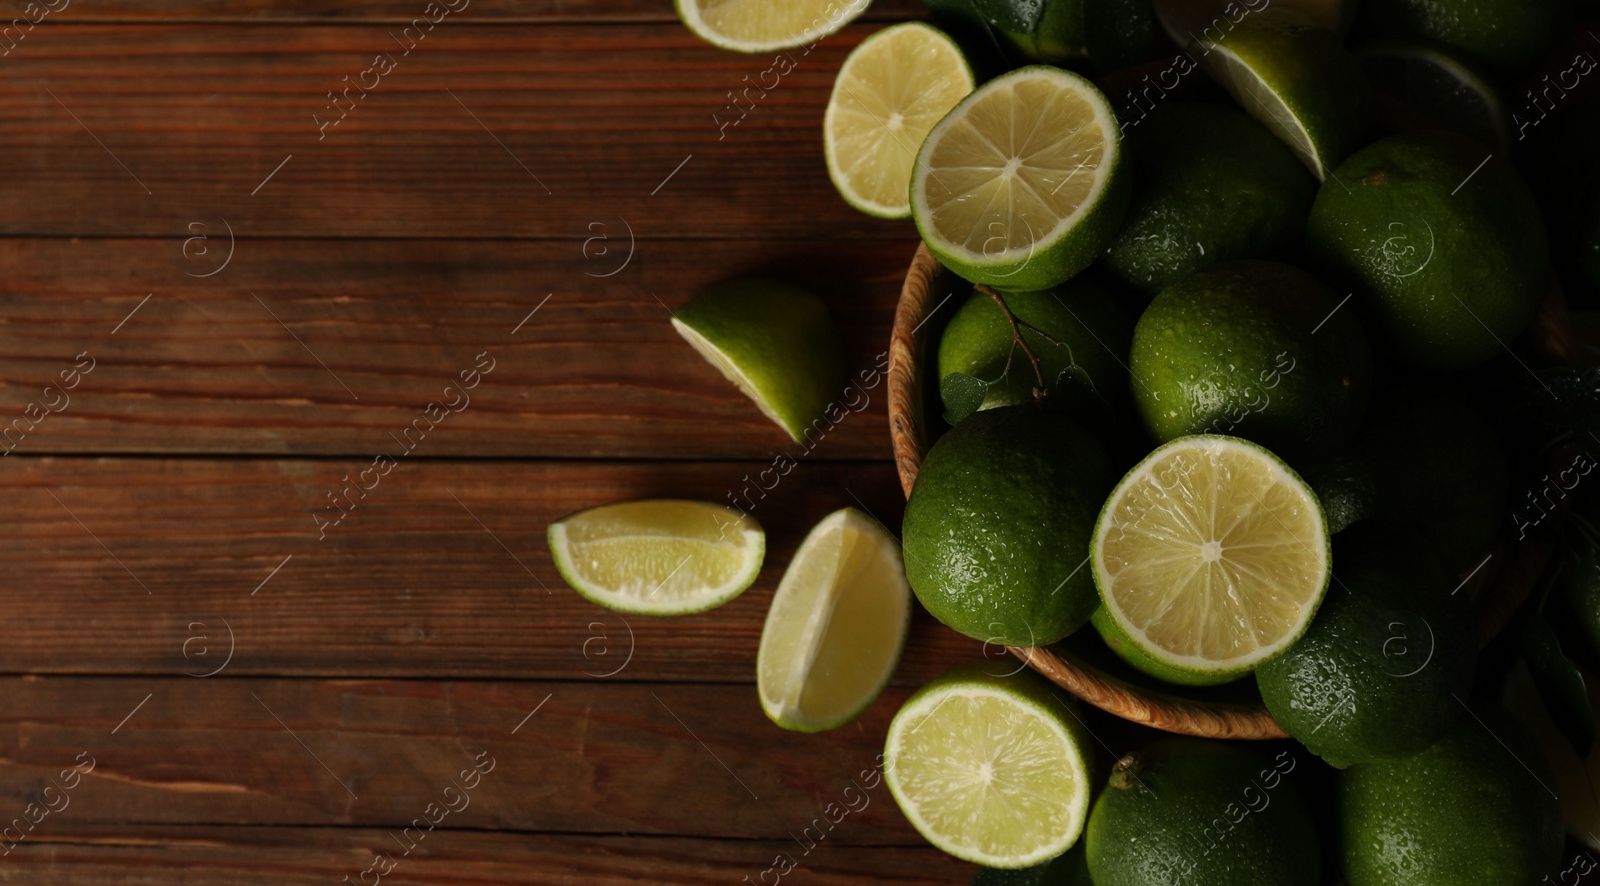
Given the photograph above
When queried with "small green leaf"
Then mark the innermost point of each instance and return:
(962, 395)
(1074, 376)
(1560, 684)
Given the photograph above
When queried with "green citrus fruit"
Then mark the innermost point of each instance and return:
(1477, 808)
(1255, 349)
(1373, 677)
(1211, 557)
(1109, 34)
(1296, 78)
(1071, 868)
(1118, 641)
(1442, 241)
(1017, 187)
(758, 26)
(991, 768)
(1438, 88)
(996, 531)
(1510, 34)
(1079, 333)
(889, 93)
(775, 341)
(1187, 811)
(1209, 184)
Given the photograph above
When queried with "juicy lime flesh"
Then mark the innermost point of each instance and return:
(1256, 97)
(837, 624)
(1211, 554)
(1015, 168)
(659, 554)
(890, 92)
(983, 773)
(762, 23)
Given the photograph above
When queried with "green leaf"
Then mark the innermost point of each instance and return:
(1560, 684)
(962, 395)
(1074, 376)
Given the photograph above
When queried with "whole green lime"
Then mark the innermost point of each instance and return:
(1442, 242)
(1078, 331)
(1209, 184)
(1109, 34)
(1510, 34)
(1437, 466)
(1475, 809)
(1187, 811)
(1252, 349)
(996, 532)
(1377, 674)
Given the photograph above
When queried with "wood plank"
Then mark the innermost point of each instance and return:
(328, 11)
(557, 757)
(148, 856)
(442, 569)
(525, 131)
(334, 347)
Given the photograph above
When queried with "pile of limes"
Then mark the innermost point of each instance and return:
(1248, 381)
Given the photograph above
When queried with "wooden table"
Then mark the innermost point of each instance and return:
(226, 297)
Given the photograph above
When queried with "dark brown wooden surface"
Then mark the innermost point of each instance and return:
(541, 181)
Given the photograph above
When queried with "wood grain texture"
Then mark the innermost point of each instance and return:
(442, 570)
(222, 855)
(596, 756)
(325, 347)
(332, 11)
(522, 131)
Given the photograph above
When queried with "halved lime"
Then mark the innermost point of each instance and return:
(765, 26)
(889, 93)
(1296, 78)
(836, 626)
(775, 341)
(658, 557)
(1017, 187)
(1211, 556)
(991, 769)
(1441, 84)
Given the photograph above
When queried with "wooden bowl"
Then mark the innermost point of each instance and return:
(1499, 588)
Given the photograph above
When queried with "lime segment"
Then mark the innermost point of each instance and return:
(1211, 555)
(1017, 186)
(836, 626)
(764, 26)
(991, 769)
(658, 557)
(892, 89)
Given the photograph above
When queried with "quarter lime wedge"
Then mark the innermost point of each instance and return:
(836, 626)
(658, 557)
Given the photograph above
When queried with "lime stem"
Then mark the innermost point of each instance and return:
(1040, 391)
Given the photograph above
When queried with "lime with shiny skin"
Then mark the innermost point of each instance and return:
(1510, 34)
(996, 531)
(1442, 242)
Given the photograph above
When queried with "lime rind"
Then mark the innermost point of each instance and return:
(829, 17)
(1314, 544)
(784, 704)
(1059, 745)
(748, 542)
(1026, 259)
(938, 53)
(731, 371)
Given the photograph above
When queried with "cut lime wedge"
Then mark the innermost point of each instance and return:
(775, 341)
(1211, 557)
(1297, 79)
(765, 25)
(890, 92)
(658, 557)
(1017, 186)
(836, 626)
(1443, 86)
(991, 769)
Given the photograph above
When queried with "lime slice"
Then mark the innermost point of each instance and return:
(1211, 556)
(658, 557)
(775, 342)
(991, 769)
(765, 26)
(1017, 186)
(1442, 85)
(1296, 78)
(890, 92)
(836, 626)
